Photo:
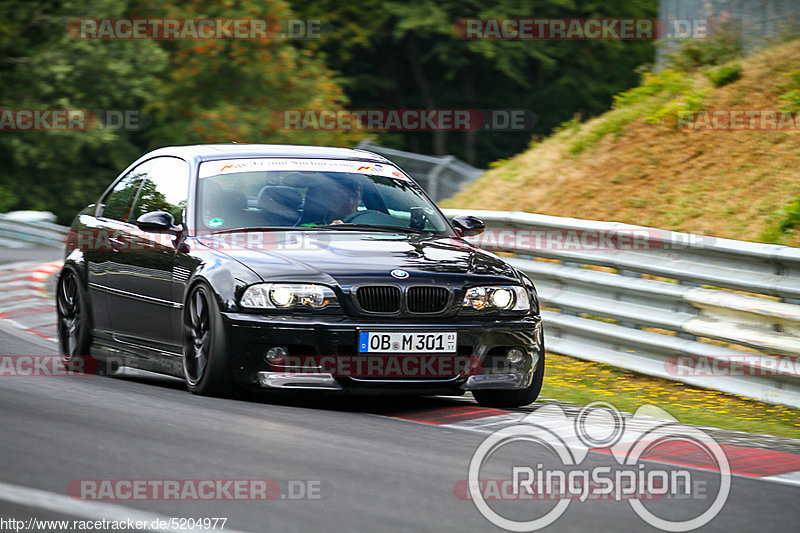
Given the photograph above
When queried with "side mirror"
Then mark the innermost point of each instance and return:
(156, 221)
(467, 226)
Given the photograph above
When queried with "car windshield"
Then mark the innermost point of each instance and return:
(323, 194)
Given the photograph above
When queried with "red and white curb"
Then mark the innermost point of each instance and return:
(745, 461)
(25, 303)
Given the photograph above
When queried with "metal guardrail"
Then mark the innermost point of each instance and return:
(21, 234)
(646, 311)
(441, 177)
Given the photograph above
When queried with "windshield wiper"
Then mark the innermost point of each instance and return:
(383, 227)
(253, 228)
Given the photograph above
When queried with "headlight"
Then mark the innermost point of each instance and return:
(511, 298)
(287, 296)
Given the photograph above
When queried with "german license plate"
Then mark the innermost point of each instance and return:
(398, 342)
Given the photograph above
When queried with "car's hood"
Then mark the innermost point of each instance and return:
(357, 256)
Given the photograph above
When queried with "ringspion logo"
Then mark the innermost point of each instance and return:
(564, 475)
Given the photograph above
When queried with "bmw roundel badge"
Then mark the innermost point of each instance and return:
(399, 274)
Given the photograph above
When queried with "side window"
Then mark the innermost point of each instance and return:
(165, 188)
(119, 202)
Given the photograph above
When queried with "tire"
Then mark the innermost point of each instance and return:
(73, 325)
(513, 398)
(206, 365)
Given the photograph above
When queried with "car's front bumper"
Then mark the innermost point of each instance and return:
(327, 381)
(485, 342)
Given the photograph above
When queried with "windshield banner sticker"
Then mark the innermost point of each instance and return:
(232, 166)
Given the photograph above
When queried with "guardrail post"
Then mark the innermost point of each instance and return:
(434, 177)
(426, 169)
(681, 334)
(629, 274)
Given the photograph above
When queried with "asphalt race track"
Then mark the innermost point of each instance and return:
(333, 463)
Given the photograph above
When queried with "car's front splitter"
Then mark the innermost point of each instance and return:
(334, 339)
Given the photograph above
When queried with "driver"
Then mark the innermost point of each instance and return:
(330, 201)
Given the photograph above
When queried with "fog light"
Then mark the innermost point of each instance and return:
(275, 352)
(515, 356)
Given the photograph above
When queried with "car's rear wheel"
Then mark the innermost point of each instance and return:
(206, 366)
(514, 398)
(74, 330)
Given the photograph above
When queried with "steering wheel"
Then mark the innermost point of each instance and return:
(362, 214)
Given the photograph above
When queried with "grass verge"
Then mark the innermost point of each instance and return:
(637, 164)
(582, 382)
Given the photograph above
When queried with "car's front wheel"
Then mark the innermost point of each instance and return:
(206, 366)
(74, 330)
(514, 398)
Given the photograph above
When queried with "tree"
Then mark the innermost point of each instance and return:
(406, 55)
(42, 67)
(225, 90)
(189, 91)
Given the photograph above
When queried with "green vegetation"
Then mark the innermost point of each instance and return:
(726, 184)
(659, 99)
(7, 199)
(400, 54)
(724, 75)
(582, 382)
(790, 100)
(788, 220)
(191, 91)
(380, 55)
(669, 81)
(633, 165)
(720, 47)
(668, 114)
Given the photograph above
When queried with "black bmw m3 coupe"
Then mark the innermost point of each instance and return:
(294, 267)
